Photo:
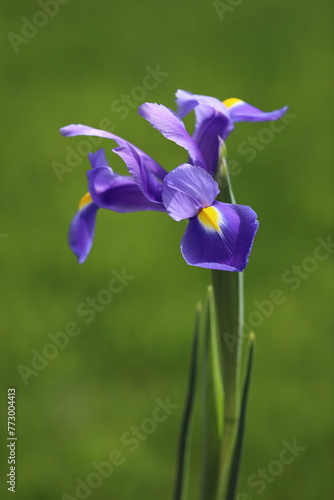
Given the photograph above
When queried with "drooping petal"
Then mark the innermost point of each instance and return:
(234, 109)
(186, 190)
(241, 111)
(143, 176)
(178, 205)
(172, 127)
(220, 237)
(116, 192)
(74, 130)
(81, 232)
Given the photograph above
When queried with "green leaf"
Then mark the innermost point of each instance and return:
(205, 407)
(183, 459)
(212, 402)
(236, 461)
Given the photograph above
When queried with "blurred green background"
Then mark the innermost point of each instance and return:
(75, 410)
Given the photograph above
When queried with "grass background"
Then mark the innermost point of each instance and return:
(106, 380)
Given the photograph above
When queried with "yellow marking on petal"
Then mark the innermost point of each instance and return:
(232, 101)
(85, 200)
(209, 217)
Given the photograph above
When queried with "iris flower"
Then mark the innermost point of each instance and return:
(215, 118)
(219, 235)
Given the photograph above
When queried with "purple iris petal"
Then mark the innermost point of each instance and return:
(186, 190)
(215, 119)
(204, 114)
(234, 109)
(207, 134)
(210, 124)
(178, 205)
(98, 159)
(143, 176)
(117, 192)
(186, 100)
(226, 243)
(101, 179)
(243, 112)
(74, 130)
(172, 127)
(81, 232)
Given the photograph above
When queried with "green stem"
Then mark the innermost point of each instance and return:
(228, 289)
(229, 298)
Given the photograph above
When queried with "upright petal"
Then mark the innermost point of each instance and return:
(74, 130)
(240, 111)
(98, 159)
(220, 237)
(207, 134)
(186, 101)
(212, 122)
(186, 190)
(81, 232)
(172, 127)
(143, 176)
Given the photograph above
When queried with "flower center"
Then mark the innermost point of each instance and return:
(210, 218)
(85, 200)
(231, 102)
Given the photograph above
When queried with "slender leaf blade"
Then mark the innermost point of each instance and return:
(212, 398)
(183, 459)
(236, 461)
